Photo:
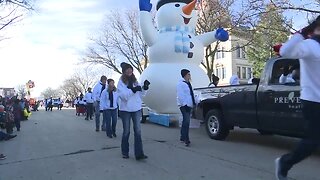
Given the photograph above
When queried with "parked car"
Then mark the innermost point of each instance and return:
(265, 105)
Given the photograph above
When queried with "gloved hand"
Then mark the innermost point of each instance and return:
(286, 71)
(135, 89)
(146, 85)
(222, 35)
(307, 31)
(145, 5)
(276, 49)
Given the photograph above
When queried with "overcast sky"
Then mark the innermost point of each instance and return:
(46, 46)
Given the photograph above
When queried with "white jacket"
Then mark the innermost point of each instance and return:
(89, 98)
(184, 95)
(129, 101)
(97, 91)
(105, 101)
(308, 52)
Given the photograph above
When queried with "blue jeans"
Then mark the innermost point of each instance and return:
(186, 114)
(110, 116)
(136, 117)
(97, 116)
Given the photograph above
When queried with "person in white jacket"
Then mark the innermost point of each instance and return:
(130, 94)
(97, 90)
(305, 46)
(186, 101)
(109, 106)
(89, 104)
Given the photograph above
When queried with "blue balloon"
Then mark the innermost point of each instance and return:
(222, 35)
(145, 5)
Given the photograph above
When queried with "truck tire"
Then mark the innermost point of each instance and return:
(215, 125)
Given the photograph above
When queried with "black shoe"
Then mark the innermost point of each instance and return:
(114, 135)
(187, 143)
(280, 175)
(141, 157)
(18, 129)
(110, 136)
(125, 156)
(91, 119)
(97, 130)
(86, 119)
(10, 137)
(181, 140)
(2, 157)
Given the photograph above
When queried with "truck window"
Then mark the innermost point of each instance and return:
(286, 72)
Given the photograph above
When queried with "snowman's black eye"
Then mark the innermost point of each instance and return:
(177, 5)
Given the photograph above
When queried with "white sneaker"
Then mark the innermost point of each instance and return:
(278, 170)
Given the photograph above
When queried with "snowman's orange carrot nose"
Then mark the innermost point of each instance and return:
(187, 9)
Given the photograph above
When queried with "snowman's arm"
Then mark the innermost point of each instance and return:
(207, 38)
(149, 32)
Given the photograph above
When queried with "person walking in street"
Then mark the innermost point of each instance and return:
(81, 105)
(109, 105)
(60, 104)
(186, 101)
(305, 46)
(75, 103)
(97, 90)
(130, 94)
(89, 100)
(50, 104)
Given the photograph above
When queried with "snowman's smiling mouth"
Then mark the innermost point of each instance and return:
(186, 20)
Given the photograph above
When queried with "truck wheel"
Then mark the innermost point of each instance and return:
(264, 133)
(216, 128)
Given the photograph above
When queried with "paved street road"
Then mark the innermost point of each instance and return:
(60, 146)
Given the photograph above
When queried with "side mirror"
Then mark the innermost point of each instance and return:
(256, 81)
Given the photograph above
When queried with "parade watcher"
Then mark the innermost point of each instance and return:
(131, 93)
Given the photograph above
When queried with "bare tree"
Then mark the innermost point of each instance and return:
(21, 91)
(80, 81)
(49, 92)
(11, 11)
(121, 40)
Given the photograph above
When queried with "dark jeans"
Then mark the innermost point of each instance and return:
(186, 115)
(110, 116)
(89, 110)
(17, 122)
(309, 144)
(136, 117)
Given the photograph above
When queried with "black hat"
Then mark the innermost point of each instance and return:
(163, 2)
(184, 72)
(125, 66)
(110, 80)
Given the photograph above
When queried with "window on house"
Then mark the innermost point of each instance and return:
(243, 52)
(239, 71)
(217, 72)
(244, 73)
(222, 52)
(224, 73)
(249, 73)
(238, 51)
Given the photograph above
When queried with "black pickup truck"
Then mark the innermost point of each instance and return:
(265, 105)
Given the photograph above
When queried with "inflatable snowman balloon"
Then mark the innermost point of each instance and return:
(174, 46)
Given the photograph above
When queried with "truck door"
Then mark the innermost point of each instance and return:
(279, 105)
